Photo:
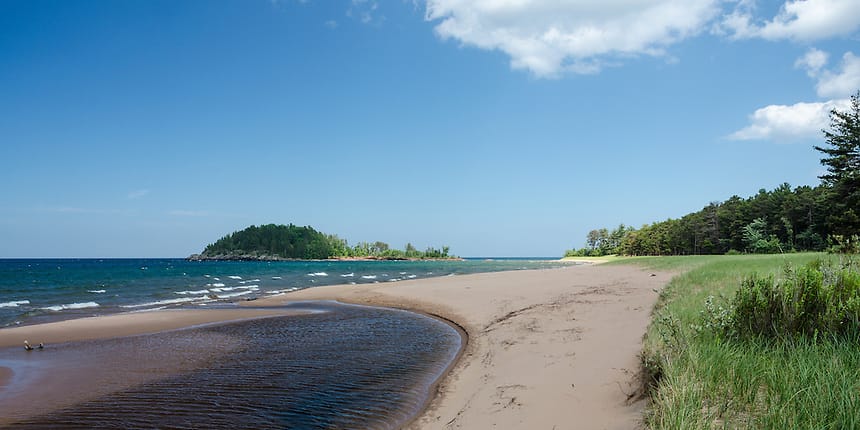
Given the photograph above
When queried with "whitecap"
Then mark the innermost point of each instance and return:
(235, 277)
(252, 280)
(216, 279)
(368, 277)
(184, 293)
(318, 274)
(166, 302)
(57, 308)
(97, 291)
(240, 293)
(277, 277)
(348, 275)
(217, 285)
(14, 303)
(412, 276)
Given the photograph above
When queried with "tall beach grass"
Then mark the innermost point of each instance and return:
(703, 377)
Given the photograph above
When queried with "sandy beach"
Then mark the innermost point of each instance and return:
(546, 349)
(553, 348)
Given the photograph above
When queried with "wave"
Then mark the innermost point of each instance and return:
(235, 277)
(277, 277)
(185, 293)
(318, 274)
(97, 291)
(368, 277)
(166, 302)
(217, 285)
(240, 293)
(57, 308)
(14, 303)
(250, 280)
(348, 275)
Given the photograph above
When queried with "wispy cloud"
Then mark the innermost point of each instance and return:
(332, 24)
(137, 194)
(366, 11)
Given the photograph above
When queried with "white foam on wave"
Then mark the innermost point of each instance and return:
(85, 305)
(393, 279)
(251, 280)
(235, 277)
(277, 277)
(185, 293)
(240, 293)
(216, 279)
(217, 285)
(166, 302)
(412, 276)
(14, 303)
(318, 274)
(97, 291)
(246, 287)
(368, 277)
(348, 275)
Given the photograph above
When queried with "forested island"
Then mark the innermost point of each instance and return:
(782, 220)
(273, 242)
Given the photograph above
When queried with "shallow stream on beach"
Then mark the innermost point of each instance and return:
(337, 366)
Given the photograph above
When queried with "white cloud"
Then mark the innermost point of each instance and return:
(797, 20)
(813, 61)
(842, 83)
(551, 37)
(785, 123)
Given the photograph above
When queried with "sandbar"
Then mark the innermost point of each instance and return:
(551, 348)
(125, 324)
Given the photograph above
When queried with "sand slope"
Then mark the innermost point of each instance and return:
(547, 349)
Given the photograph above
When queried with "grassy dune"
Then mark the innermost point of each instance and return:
(703, 381)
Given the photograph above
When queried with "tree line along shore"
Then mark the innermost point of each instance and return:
(805, 218)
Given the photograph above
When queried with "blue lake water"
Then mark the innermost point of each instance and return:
(33, 291)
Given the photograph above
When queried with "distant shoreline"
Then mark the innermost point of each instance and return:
(199, 257)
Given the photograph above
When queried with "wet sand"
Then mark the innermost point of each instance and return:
(125, 324)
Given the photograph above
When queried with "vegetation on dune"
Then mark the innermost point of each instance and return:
(781, 220)
(293, 242)
(755, 341)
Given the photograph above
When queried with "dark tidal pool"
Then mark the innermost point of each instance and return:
(338, 366)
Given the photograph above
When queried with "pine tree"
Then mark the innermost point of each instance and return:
(842, 158)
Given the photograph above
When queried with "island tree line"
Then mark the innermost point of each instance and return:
(784, 219)
(273, 241)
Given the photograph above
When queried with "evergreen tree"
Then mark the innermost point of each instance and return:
(842, 158)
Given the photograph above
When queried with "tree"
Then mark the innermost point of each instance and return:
(842, 158)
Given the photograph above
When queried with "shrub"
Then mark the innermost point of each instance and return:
(815, 300)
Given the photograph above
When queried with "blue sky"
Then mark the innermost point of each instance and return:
(499, 128)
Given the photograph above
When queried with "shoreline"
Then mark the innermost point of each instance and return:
(522, 333)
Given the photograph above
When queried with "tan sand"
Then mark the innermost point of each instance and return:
(125, 324)
(547, 349)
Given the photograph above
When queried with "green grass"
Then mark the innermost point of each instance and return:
(703, 381)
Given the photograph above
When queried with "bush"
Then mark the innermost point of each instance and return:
(813, 300)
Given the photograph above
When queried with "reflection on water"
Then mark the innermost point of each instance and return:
(348, 367)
